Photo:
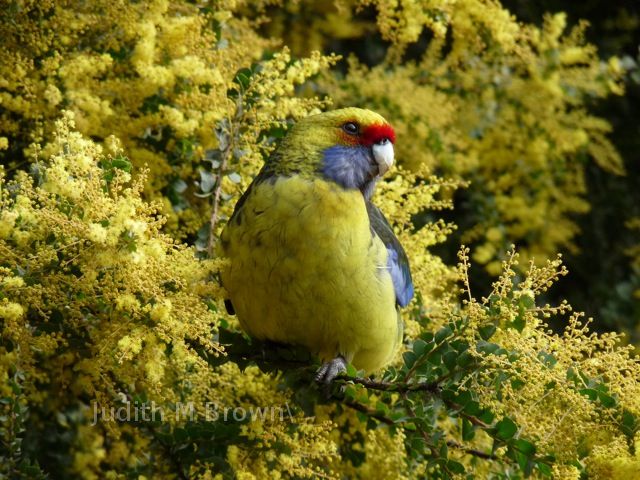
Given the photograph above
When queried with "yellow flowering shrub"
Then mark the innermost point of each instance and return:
(128, 130)
(156, 77)
(494, 102)
(101, 311)
(82, 252)
(498, 104)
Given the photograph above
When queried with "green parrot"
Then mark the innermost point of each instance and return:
(312, 261)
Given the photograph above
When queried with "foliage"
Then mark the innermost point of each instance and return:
(501, 105)
(129, 129)
(602, 279)
(171, 81)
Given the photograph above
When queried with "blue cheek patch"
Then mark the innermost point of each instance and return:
(349, 167)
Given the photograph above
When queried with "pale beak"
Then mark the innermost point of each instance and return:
(383, 155)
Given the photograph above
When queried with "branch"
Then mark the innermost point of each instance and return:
(432, 388)
(216, 200)
(471, 451)
(268, 356)
(369, 412)
(226, 153)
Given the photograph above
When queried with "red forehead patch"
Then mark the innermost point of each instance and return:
(376, 133)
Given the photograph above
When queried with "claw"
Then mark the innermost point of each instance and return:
(330, 370)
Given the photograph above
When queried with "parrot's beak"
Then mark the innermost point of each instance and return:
(383, 155)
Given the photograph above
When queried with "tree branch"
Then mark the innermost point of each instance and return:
(471, 451)
(432, 388)
(369, 412)
(225, 156)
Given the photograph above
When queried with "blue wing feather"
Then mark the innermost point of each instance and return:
(397, 260)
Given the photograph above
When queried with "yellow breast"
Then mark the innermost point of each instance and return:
(305, 269)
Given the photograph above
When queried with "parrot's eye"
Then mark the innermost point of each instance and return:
(351, 128)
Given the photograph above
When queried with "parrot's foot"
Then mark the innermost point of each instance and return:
(330, 370)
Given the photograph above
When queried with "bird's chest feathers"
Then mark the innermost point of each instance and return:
(306, 269)
(298, 223)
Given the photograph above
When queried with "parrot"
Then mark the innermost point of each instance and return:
(312, 262)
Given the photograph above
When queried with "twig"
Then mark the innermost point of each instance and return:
(430, 387)
(225, 154)
(471, 451)
(450, 443)
(216, 201)
(369, 412)
(386, 420)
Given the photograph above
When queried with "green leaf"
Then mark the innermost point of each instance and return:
(427, 337)
(465, 359)
(419, 347)
(409, 426)
(418, 444)
(399, 416)
(178, 186)
(443, 333)
(409, 359)
(121, 163)
(523, 462)
(486, 416)
(590, 393)
(607, 400)
(382, 407)
(109, 166)
(363, 417)
(463, 398)
(455, 467)
(544, 469)
(527, 301)
(234, 177)
(207, 181)
(548, 359)
(435, 357)
(487, 331)
(390, 375)
(468, 431)
(525, 447)
(517, 384)
(425, 369)
(444, 450)
(243, 78)
(519, 323)
(487, 348)
(505, 429)
(180, 435)
(472, 408)
(450, 359)
(629, 424)
(572, 375)
(350, 392)
(448, 395)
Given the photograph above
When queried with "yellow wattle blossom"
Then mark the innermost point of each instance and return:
(161, 312)
(502, 121)
(10, 311)
(110, 210)
(12, 282)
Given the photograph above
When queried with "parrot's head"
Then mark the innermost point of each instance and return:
(352, 147)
